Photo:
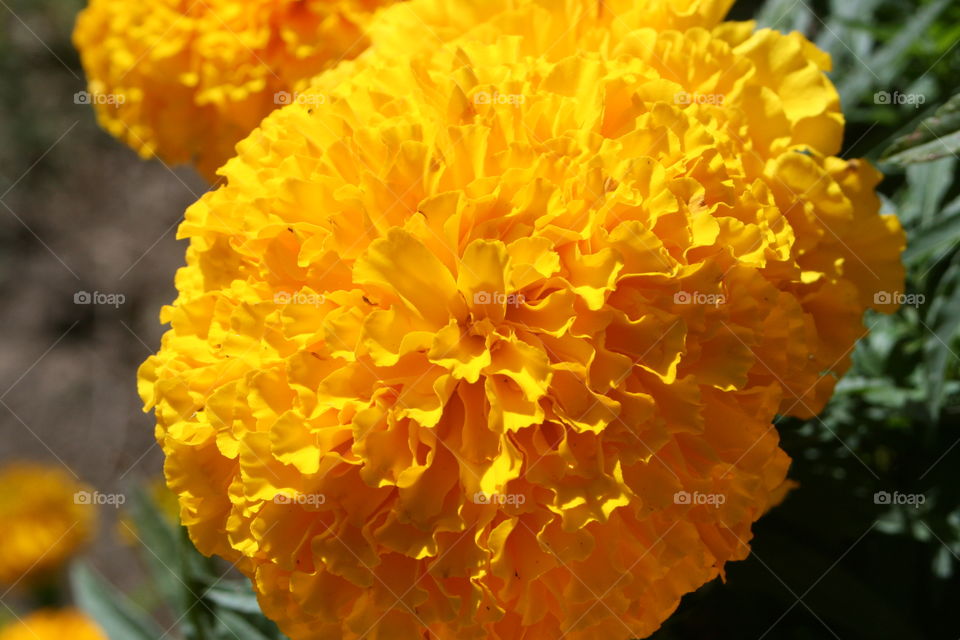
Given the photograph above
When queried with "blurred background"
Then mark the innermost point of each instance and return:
(79, 214)
(87, 250)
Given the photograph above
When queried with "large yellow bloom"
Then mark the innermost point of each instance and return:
(187, 79)
(53, 624)
(490, 342)
(43, 523)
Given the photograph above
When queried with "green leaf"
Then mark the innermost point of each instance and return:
(936, 137)
(952, 208)
(161, 547)
(177, 570)
(885, 65)
(941, 147)
(942, 233)
(845, 33)
(234, 596)
(919, 203)
(944, 325)
(232, 626)
(114, 612)
(785, 16)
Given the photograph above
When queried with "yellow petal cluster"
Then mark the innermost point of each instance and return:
(41, 521)
(185, 80)
(489, 343)
(53, 624)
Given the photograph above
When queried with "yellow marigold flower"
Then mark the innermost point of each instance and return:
(187, 79)
(490, 342)
(43, 523)
(54, 624)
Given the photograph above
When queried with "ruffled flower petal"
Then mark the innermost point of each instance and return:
(574, 258)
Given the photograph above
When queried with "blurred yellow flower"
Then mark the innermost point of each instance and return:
(53, 624)
(187, 79)
(43, 524)
(490, 342)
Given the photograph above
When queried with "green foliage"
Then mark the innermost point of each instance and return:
(936, 137)
(204, 598)
(116, 614)
(831, 562)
